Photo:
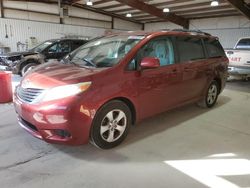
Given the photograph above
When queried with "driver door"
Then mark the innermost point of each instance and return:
(159, 89)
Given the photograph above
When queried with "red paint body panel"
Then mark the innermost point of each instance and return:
(151, 91)
(5, 87)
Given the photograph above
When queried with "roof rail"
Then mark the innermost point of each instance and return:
(192, 31)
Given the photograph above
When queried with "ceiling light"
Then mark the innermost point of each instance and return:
(166, 10)
(214, 3)
(89, 3)
(128, 15)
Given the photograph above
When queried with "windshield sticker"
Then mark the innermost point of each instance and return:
(97, 43)
(136, 37)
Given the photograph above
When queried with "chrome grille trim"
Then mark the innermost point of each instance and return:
(29, 95)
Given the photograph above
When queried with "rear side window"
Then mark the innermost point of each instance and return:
(214, 48)
(190, 48)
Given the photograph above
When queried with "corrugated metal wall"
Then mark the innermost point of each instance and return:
(228, 37)
(23, 30)
(228, 29)
(41, 20)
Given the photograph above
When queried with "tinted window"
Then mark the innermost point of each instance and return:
(160, 48)
(189, 48)
(60, 47)
(76, 44)
(243, 44)
(214, 49)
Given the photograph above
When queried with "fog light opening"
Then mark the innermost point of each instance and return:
(62, 133)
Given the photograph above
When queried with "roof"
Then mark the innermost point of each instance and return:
(170, 32)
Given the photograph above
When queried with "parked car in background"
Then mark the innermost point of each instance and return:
(21, 62)
(110, 83)
(239, 58)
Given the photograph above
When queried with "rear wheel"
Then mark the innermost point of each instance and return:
(211, 95)
(111, 125)
(26, 68)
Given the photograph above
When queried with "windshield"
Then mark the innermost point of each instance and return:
(243, 44)
(41, 46)
(104, 52)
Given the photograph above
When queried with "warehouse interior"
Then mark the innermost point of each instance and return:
(185, 147)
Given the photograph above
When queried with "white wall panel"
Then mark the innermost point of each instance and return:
(81, 13)
(161, 25)
(228, 29)
(228, 37)
(126, 25)
(22, 30)
(86, 22)
(20, 14)
(31, 6)
(221, 23)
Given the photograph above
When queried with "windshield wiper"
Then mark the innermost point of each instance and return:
(89, 62)
(83, 59)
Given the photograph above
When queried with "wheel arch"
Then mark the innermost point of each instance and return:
(218, 80)
(27, 61)
(129, 103)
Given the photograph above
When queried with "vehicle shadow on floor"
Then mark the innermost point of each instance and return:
(238, 85)
(140, 131)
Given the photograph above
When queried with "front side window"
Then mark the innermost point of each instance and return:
(104, 52)
(60, 47)
(190, 48)
(42, 46)
(160, 48)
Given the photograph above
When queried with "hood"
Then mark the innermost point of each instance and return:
(55, 74)
(11, 54)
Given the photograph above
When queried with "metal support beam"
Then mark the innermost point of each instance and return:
(59, 9)
(156, 12)
(241, 6)
(112, 22)
(1, 8)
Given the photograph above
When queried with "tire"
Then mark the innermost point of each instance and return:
(26, 68)
(211, 96)
(107, 131)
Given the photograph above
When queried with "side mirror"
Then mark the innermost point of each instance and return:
(150, 63)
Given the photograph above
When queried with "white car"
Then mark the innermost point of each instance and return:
(239, 58)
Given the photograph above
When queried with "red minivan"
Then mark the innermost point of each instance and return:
(98, 91)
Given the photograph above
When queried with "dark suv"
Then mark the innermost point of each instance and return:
(21, 62)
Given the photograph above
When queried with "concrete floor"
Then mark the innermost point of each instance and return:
(186, 147)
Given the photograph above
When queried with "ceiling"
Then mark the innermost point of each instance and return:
(146, 11)
(190, 9)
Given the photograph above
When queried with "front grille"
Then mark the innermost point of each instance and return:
(28, 94)
(2, 61)
(14, 58)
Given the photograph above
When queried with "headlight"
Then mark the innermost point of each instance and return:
(65, 91)
(12, 63)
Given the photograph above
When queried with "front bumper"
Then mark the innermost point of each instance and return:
(5, 68)
(233, 70)
(61, 123)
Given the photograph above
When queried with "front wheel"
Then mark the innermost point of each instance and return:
(211, 95)
(27, 68)
(111, 125)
